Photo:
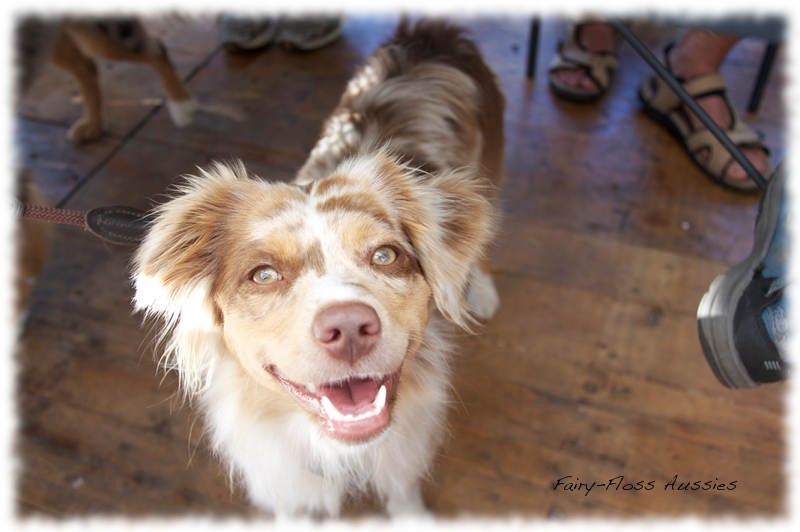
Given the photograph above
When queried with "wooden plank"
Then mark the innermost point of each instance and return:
(81, 463)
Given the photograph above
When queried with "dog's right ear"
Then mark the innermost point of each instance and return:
(451, 221)
(448, 216)
(174, 268)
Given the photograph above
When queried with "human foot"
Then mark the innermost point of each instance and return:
(690, 66)
(717, 109)
(584, 64)
(710, 91)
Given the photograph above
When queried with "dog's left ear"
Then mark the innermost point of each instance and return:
(174, 269)
(450, 220)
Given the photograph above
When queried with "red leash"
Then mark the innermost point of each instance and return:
(117, 224)
(51, 214)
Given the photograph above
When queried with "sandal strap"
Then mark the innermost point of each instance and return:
(705, 84)
(664, 100)
(718, 157)
(598, 65)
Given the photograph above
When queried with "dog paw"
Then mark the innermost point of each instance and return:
(182, 111)
(84, 131)
(482, 297)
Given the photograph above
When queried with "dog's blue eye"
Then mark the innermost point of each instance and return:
(266, 275)
(384, 256)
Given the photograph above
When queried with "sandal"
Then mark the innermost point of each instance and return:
(664, 106)
(571, 55)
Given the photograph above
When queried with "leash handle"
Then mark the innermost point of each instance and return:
(116, 224)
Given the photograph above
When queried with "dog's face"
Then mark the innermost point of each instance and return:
(327, 295)
(320, 292)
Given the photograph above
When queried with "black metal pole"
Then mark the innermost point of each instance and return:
(763, 76)
(533, 47)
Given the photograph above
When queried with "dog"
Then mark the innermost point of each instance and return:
(75, 45)
(308, 321)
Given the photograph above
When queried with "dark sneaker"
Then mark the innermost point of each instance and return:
(247, 33)
(309, 33)
(742, 319)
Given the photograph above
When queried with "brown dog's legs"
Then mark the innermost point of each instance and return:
(136, 46)
(123, 40)
(180, 103)
(68, 56)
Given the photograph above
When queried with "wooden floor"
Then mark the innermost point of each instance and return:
(591, 370)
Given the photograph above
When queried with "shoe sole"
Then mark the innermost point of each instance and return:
(715, 314)
(263, 40)
(576, 96)
(299, 44)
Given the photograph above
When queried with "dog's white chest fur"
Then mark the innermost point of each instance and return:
(291, 468)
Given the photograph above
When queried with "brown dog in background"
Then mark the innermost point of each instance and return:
(76, 44)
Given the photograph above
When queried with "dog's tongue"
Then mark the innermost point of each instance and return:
(352, 396)
(356, 409)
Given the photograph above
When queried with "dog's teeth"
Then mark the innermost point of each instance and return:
(380, 400)
(331, 410)
(377, 405)
(311, 388)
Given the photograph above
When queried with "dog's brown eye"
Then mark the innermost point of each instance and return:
(266, 275)
(384, 256)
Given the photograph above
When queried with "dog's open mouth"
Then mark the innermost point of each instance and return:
(353, 410)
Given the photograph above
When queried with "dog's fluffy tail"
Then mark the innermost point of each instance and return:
(429, 39)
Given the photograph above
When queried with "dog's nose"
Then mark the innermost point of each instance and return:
(347, 332)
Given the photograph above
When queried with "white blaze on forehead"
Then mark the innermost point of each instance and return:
(329, 289)
(306, 227)
(286, 219)
(334, 283)
(309, 225)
